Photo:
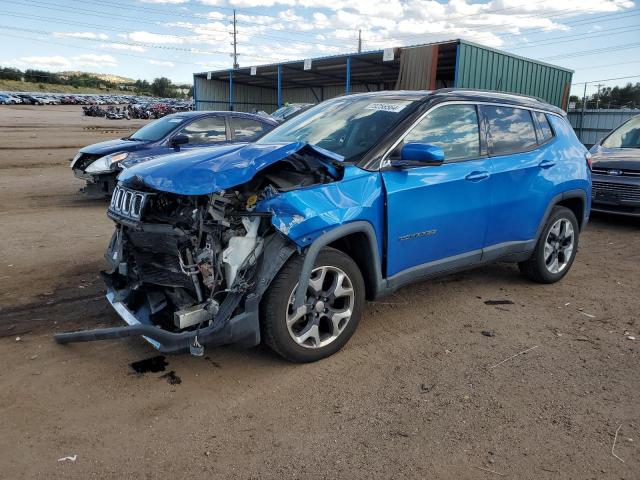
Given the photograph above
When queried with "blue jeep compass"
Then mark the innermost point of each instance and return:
(282, 240)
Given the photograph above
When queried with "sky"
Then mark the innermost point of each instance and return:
(599, 39)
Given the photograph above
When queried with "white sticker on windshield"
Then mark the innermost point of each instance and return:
(386, 107)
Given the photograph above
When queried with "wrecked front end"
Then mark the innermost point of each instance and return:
(189, 269)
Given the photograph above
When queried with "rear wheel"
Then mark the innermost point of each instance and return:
(556, 248)
(330, 312)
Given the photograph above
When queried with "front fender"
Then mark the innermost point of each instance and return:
(305, 214)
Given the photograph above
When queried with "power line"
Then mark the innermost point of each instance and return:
(562, 38)
(606, 80)
(107, 28)
(579, 22)
(624, 46)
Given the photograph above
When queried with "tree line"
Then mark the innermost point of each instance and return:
(627, 96)
(160, 87)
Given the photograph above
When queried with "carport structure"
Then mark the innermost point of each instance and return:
(455, 63)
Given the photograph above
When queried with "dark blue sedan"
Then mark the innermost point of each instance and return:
(100, 163)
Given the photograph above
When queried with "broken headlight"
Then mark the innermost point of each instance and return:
(105, 164)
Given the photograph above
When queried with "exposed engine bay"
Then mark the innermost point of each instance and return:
(177, 258)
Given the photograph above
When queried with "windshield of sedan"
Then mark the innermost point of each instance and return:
(626, 136)
(348, 126)
(159, 129)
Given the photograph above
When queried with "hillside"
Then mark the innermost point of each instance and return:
(107, 77)
(16, 86)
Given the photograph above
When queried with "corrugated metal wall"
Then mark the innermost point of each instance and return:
(479, 67)
(598, 123)
(214, 95)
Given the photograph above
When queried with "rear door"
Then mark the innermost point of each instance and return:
(246, 129)
(205, 131)
(524, 161)
(437, 215)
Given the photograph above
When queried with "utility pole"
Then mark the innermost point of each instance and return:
(598, 95)
(235, 41)
(359, 41)
(584, 106)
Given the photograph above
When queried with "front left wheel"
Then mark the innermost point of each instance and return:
(330, 313)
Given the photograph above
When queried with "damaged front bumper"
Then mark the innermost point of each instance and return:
(242, 329)
(236, 322)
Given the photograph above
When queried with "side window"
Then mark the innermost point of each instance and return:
(510, 129)
(245, 129)
(206, 130)
(545, 128)
(454, 128)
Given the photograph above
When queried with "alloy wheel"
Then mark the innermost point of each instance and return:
(559, 245)
(327, 309)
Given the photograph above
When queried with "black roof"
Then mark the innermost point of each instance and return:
(226, 113)
(470, 95)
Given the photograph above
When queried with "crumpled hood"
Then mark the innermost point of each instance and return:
(205, 170)
(112, 146)
(616, 158)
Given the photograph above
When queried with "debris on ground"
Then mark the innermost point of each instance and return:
(426, 387)
(615, 439)
(514, 356)
(630, 337)
(488, 333)
(172, 378)
(154, 365)
(498, 302)
(71, 458)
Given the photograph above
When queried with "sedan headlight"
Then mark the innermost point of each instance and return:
(105, 164)
(75, 159)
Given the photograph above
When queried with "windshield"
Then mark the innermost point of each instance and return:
(156, 130)
(279, 113)
(626, 136)
(348, 126)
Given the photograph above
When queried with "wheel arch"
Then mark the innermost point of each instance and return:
(356, 239)
(575, 200)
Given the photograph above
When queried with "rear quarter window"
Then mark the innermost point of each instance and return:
(545, 133)
(511, 130)
(246, 130)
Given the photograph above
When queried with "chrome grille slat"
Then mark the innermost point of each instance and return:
(623, 172)
(128, 203)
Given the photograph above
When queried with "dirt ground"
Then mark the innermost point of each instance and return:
(419, 391)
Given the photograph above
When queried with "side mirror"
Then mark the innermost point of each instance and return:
(180, 139)
(417, 154)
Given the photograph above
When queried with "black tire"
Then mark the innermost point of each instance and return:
(535, 268)
(275, 305)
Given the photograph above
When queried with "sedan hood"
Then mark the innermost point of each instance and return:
(616, 158)
(112, 146)
(206, 170)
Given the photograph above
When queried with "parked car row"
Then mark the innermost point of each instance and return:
(227, 234)
(39, 98)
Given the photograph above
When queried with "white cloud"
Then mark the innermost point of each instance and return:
(58, 62)
(90, 35)
(172, 2)
(123, 46)
(148, 37)
(162, 63)
(94, 60)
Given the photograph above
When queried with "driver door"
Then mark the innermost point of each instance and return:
(205, 132)
(437, 216)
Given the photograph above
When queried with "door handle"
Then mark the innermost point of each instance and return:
(546, 164)
(477, 176)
